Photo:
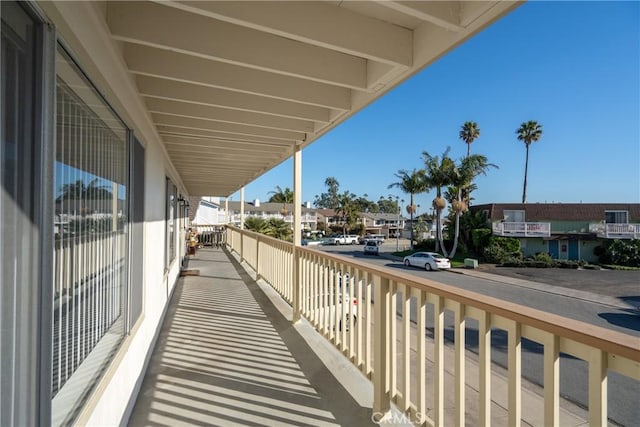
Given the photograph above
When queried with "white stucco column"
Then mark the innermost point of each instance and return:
(226, 210)
(297, 196)
(297, 230)
(242, 208)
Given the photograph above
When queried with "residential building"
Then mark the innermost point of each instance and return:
(206, 211)
(284, 211)
(383, 223)
(564, 230)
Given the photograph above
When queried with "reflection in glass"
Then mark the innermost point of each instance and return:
(91, 191)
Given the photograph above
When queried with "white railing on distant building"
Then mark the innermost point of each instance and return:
(522, 229)
(616, 231)
(382, 339)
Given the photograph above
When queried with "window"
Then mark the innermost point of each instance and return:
(171, 218)
(616, 217)
(91, 219)
(513, 216)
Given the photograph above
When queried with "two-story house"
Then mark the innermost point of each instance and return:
(273, 210)
(383, 223)
(564, 230)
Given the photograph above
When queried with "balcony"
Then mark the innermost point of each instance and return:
(229, 354)
(522, 229)
(615, 231)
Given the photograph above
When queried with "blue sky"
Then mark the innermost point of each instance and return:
(572, 66)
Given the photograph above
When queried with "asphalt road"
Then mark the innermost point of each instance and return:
(623, 392)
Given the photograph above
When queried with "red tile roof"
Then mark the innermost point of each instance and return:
(560, 211)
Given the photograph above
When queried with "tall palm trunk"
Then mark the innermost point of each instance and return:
(526, 167)
(411, 205)
(457, 235)
(439, 230)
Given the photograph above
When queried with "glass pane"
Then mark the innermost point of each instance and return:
(91, 214)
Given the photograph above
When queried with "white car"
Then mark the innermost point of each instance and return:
(427, 260)
(344, 239)
(372, 247)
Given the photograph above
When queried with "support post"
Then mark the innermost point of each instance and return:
(297, 231)
(381, 402)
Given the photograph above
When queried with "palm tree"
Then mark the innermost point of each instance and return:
(411, 183)
(469, 133)
(528, 132)
(347, 208)
(462, 177)
(438, 175)
(281, 196)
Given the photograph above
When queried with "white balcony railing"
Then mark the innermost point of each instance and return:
(384, 344)
(522, 229)
(616, 231)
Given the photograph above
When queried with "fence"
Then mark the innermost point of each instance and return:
(379, 319)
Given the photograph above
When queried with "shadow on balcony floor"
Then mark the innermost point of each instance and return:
(227, 356)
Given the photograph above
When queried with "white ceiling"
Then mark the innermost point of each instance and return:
(232, 87)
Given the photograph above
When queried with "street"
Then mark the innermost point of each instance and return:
(624, 393)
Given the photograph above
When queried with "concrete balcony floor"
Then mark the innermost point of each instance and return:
(227, 356)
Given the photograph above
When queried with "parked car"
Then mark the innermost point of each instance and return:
(427, 260)
(372, 247)
(344, 239)
(375, 237)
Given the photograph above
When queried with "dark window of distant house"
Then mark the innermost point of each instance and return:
(616, 217)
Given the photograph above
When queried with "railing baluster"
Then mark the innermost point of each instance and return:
(421, 299)
(406, 347)
(515, 370)
(484, 348)
(597, 388)
(381, 403)
(551, 381)
(359, 353)
(438, 360)
(368, 318)
(459, 334)
(393, 339)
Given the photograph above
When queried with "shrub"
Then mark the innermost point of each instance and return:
(625, 253)
(501, 249)
(480, 238)
(544, 259)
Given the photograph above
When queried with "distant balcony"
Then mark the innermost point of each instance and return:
(616, 231)
(522, 229)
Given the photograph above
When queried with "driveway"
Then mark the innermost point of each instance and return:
(615, 283)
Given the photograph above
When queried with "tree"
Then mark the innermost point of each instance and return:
(528, 132)
(328, 200)
(388, 205)
(438, 172)
(469, 133)
(348, 210)
(78, 190)
(461, 177)
(281, 196)
(410, 183)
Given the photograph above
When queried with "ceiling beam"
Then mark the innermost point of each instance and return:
(205, 95)
(232, 128)
(220, 136)
(172, 65)
(318, 23)
(445, 14)
(218, 114)
(147, 23)
(240, 146)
